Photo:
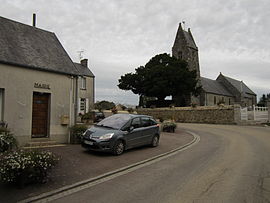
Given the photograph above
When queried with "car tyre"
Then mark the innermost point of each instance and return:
(155, 141)
(118, 148)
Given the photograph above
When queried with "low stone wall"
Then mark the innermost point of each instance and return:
(202, 114)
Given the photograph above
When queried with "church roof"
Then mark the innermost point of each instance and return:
(186, 36)
(213, 86)
(189, 39)
(31, 47)
(84, 71)
(240, 86)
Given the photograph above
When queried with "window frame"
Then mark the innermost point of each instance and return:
(83, 83)
(84, 104)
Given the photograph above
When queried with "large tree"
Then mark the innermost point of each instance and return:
(264, 99)
(162, 76)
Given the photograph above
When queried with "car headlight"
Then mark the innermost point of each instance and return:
(106, 136)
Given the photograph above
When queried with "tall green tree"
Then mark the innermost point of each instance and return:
(162, 76)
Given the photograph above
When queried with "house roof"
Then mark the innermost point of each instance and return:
(240, 86)
(213, 86)
(31, 47)
(85, 71)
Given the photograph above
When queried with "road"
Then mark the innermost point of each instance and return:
(229, 164)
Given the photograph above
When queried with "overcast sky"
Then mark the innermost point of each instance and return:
(119, 35)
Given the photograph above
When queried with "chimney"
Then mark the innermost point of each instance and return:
(84, 62)
(34, 20)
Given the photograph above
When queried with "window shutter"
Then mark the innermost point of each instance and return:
(86, 105)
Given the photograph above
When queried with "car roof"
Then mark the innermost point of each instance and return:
(133, 115)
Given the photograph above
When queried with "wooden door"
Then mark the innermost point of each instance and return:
(40, 115)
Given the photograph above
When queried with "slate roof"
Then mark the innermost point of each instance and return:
(213, 86)
(189, 40)
(31, 47)
(237, 84)
(84, 71)
(187, 37)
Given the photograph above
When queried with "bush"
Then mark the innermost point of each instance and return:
(7, 141)
(104, 105)
(25, 166)
(76, 132)
(114, 110)
(169, 126)
(88, 116)
(130, 110)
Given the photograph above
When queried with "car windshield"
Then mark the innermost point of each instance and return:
(115, 121)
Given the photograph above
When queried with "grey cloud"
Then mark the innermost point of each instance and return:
(120, 35)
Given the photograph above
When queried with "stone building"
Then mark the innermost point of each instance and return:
(222, 90)
(86, 87)
(40, 86)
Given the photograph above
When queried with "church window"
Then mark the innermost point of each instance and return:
(180, 54)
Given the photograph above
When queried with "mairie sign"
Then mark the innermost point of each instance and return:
(40, 85)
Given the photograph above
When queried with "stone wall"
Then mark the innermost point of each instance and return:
(209, 114)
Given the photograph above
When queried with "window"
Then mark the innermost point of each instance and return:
(180, 54)
(215, 100)
(1, 104)
(82, 105)
(116, 121)
(229, 101)
(136, 122)
(83, 83)
(146, 121)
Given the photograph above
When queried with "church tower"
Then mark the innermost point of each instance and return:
(185, 48)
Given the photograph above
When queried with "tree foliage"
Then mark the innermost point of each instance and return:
(104, 105)
(162, 76)
(264, 99)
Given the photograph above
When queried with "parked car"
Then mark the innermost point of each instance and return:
(98, 116)
(120, 132)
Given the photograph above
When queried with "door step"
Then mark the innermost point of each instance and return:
(42, 144)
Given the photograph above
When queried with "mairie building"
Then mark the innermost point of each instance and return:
(42, 91)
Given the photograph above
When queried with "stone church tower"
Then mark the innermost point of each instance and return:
(185, 48)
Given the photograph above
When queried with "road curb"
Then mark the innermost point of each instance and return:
(67, 190)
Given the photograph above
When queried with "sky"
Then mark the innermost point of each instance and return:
(117, 36)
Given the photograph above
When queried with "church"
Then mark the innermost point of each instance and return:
(223, 90)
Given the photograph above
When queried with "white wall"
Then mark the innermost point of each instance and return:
(19, 87)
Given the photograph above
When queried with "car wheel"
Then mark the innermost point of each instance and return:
(118, 148)
(155, 141)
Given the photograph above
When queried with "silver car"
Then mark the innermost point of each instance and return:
(120, 132)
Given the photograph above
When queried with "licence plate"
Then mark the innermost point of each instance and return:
(88, 142)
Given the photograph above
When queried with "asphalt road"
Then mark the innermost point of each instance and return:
(229, 164)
